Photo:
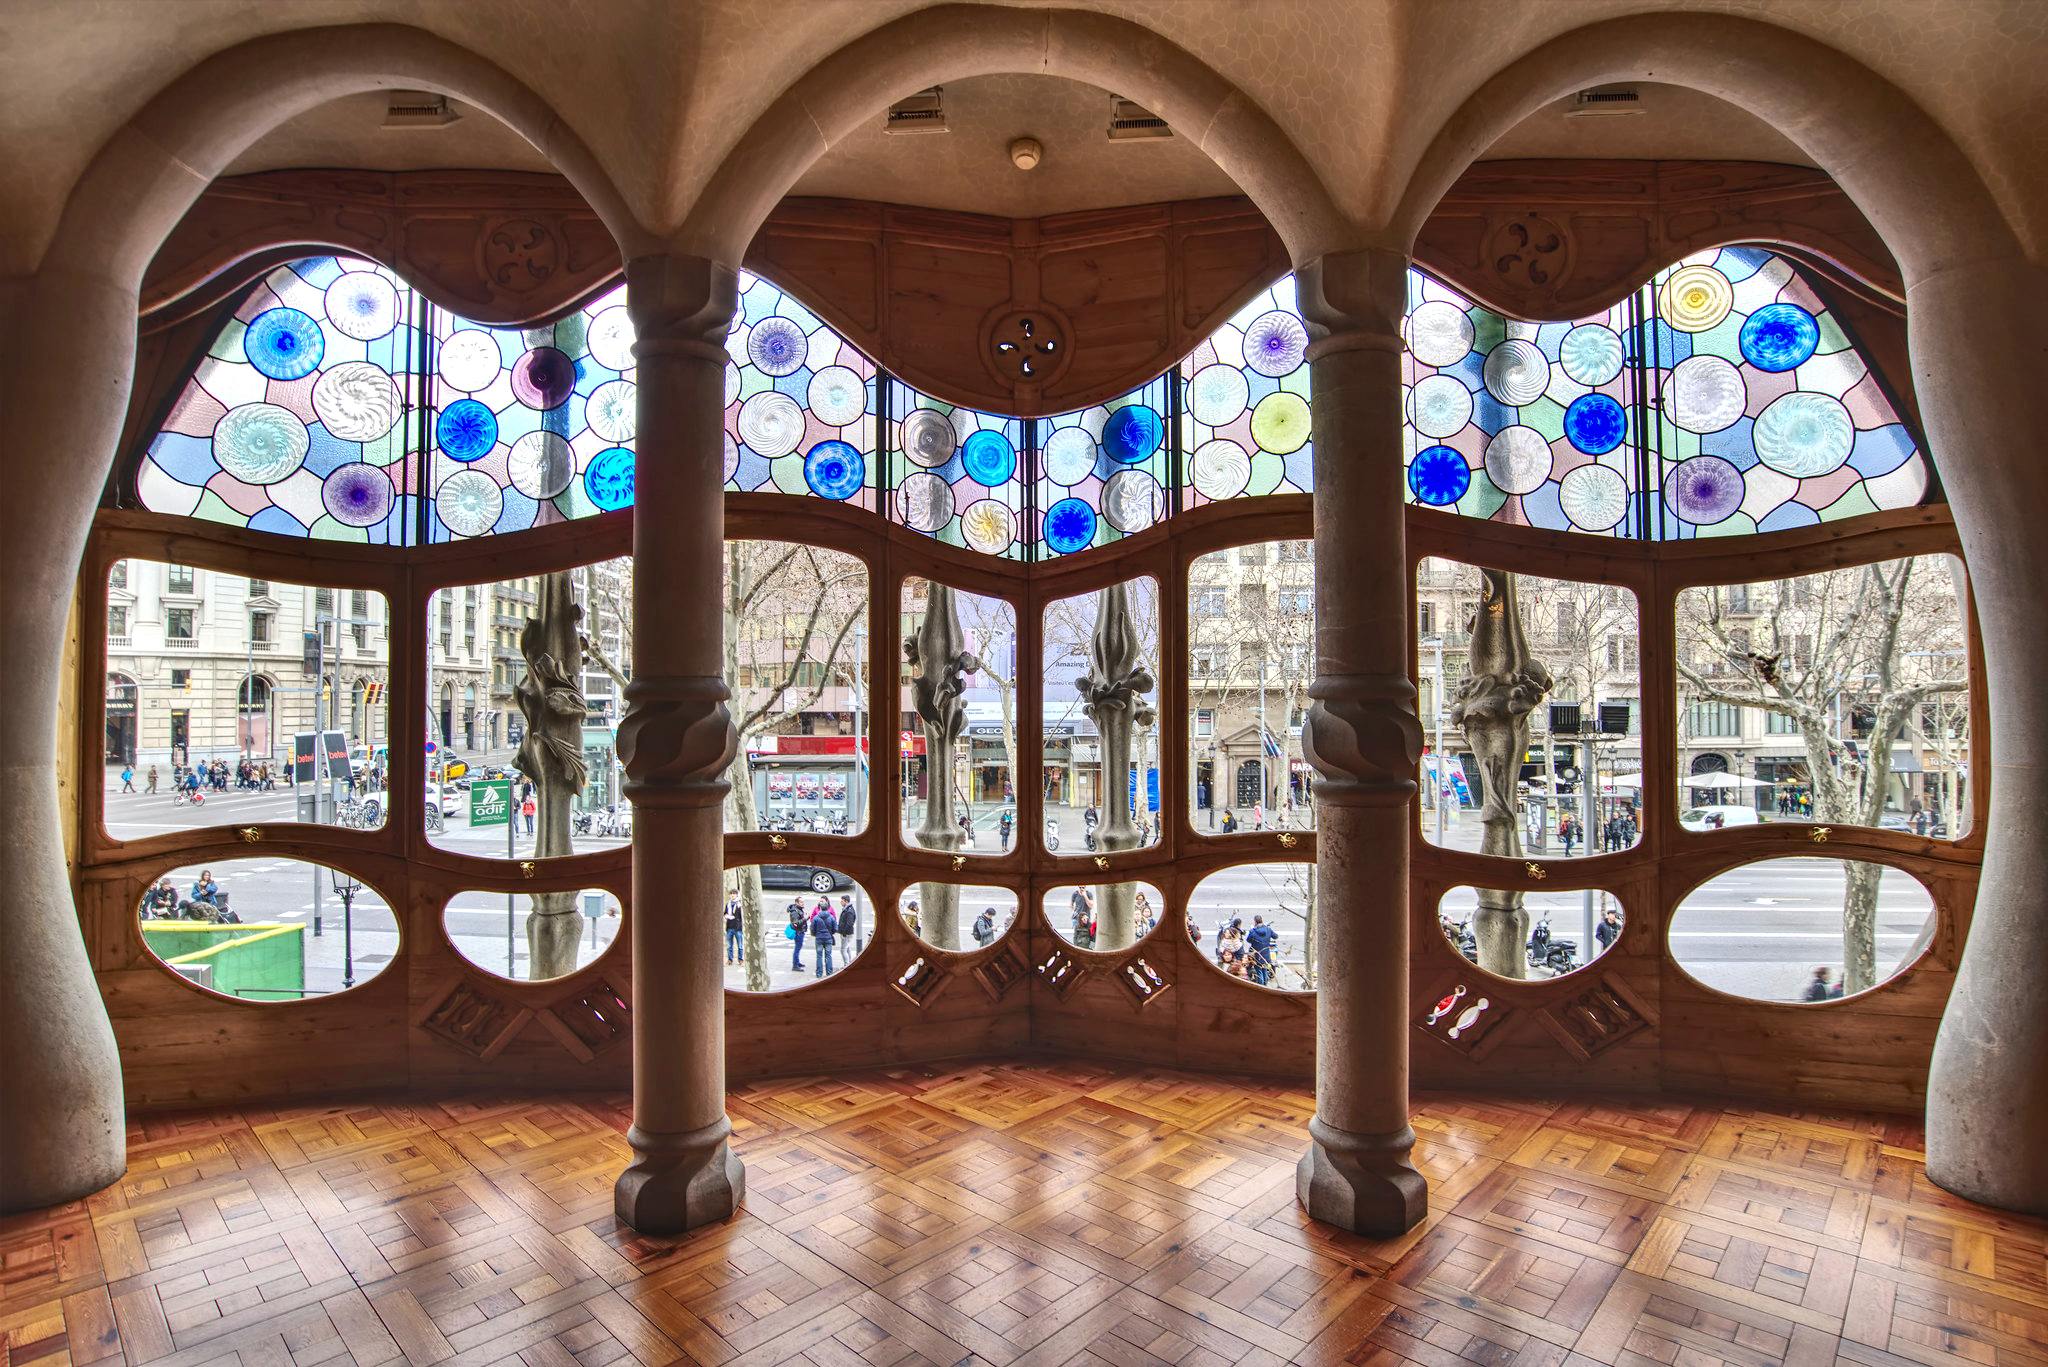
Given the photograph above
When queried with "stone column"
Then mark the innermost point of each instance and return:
(939, 661)
(1113, 695)
(1503, 684)
(1365, 743)
(1975, 334)
(676, 742)
(67, 359)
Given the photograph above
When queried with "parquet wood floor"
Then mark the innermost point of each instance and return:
(1024, 1213)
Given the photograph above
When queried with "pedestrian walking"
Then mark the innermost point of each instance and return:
(1082, 903)
(528, 810)
(127, 778)
(985, 927)
(1609, 929)
(1261, 941)
(151, 789)
(734, 950)
(850, 938)
(1817, 989)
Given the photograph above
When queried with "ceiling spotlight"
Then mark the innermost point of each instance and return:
(1026, 153)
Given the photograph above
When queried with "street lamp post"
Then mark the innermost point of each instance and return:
(1436, 776)
(346, 887)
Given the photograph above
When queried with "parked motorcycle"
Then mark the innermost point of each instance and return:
(1557, 956)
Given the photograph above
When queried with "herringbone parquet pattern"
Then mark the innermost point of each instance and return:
(1024, 1213)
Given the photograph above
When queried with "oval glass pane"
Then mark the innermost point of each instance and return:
(1798, 700)
(959, 797)
(786, 925)
(1256, 922)
(267, 930)
(961, 917)
(1576, 766)
(1251, 658)
(1106, 917)
(1100, 714)
(1802, 930)
(531, 937)
(1550, 941)
(233, 700)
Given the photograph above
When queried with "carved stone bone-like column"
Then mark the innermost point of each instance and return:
(1112, 694)
(939, 658)
(550, 696)
(1492, 709)
(676, 741)
(1364, 740)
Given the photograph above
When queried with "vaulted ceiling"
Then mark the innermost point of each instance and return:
(661, 91)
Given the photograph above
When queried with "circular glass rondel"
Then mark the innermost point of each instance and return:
(786, 926)
(267, 930)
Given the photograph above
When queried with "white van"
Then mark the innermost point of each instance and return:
(1717, 818)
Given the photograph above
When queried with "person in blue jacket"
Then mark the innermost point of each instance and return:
(1261, 940)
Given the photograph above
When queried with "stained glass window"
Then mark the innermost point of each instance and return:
(1103, 472)
(799, 403)
(959, 473)
(1246, 403)
(534, 425)
(300, 419)
(1764, 415)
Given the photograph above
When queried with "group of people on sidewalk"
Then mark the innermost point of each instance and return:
(204, 902)
(827, 927)
(1249, 954)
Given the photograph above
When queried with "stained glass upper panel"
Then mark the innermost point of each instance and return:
(531, 426)
(1104, 472)
(959, 473)
(1721, 398)
(1245, 396)
(300, 420)
(799, 403)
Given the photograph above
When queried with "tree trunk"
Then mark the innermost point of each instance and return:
(742, 815)
(1859, 926)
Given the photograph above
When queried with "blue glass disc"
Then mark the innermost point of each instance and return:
(834, 469)
(284, 344)
(1779, 337)
(1069, 526)
(609, 480)
(467, 430)
(988, 458)
(1132, 433)
(1595, 424)
(1438, 476)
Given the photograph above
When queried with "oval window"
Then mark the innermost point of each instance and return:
(960, 917)
(1106, 917)
(786, 925)
(1551, 940)
(532, 937)
(1256, 923)
(1802, 930)
(267, 930)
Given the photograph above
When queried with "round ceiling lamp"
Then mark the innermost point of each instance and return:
(1026, 153)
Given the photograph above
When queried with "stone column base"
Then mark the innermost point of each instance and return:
(679, 1182)
(1361, 1182)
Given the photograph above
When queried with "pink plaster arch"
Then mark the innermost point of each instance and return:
(951, 41)
(1887, 154)
(146, 176)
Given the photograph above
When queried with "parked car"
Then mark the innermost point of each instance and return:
(1714, 818)
(803, 876)
(449, 800)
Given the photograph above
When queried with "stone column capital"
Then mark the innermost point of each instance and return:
(677, 740)
(681, 305)
(1363, 738)
(1353, 301)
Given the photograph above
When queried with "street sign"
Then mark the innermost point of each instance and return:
(305, 756)
(490, 802)
(335, 745)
